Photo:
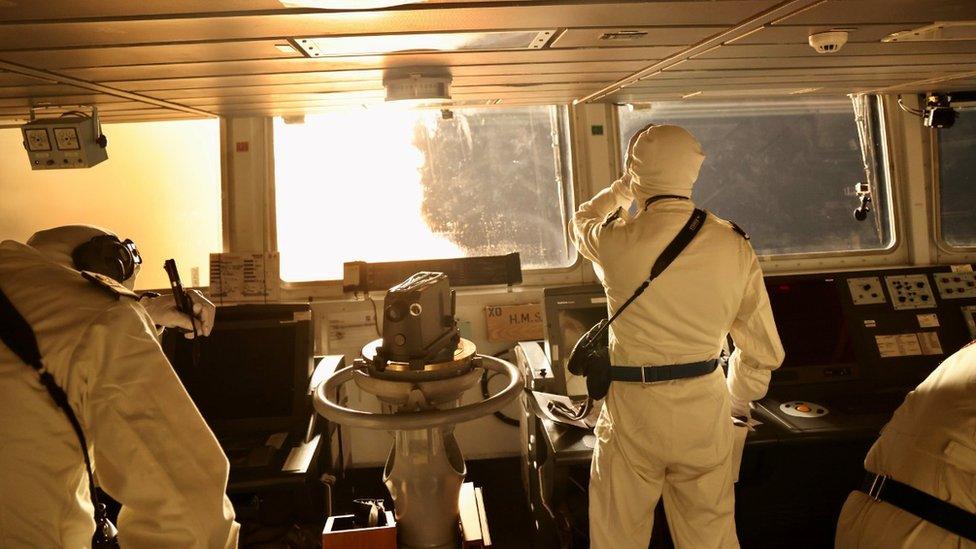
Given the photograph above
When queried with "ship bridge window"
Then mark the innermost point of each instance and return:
(388, 184)
(784, 170)
(160, 187)
(957, 180)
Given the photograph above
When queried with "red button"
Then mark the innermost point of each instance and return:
(802, 408)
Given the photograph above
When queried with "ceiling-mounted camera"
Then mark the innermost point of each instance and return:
(863, 193)
(938, 111)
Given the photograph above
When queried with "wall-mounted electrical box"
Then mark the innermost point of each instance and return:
(72, 141)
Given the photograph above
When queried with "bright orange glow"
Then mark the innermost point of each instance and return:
(160, 187)
(348, 188)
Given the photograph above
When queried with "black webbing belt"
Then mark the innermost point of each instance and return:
(652, 374)
(924, 506)
(16, 333)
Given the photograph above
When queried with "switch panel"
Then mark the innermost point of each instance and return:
(955, 285)
(866, 291)
(910, 291)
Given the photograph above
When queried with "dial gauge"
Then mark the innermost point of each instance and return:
(37, 140)
(67, 139)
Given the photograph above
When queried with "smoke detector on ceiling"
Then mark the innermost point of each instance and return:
(828, 42)
(420, 89)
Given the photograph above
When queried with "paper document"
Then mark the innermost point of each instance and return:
(544, 400)
(244, 278)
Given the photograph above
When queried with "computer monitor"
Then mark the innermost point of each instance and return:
(570, 312)
(811, 324)
(252, 372)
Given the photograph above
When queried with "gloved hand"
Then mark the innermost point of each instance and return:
(740, 408)
(622, 188)
(163, 312)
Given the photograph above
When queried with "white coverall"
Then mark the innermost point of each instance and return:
(929, 444)
(672, 438)
(151, 449)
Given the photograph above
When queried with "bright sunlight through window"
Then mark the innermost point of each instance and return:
(388, 184)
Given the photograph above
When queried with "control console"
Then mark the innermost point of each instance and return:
(857, 342)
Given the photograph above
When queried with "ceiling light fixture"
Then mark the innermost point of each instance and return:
(347, 4)
(333, 46)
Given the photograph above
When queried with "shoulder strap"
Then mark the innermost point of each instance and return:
(670, 253)
(738, 229)
(109, 285)
(16, 333)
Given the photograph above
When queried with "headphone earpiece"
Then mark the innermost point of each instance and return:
(106, 255)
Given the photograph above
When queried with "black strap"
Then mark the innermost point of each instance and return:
(670, 253)
(16, 333)
(653, 374)
(924, 506)
(657, 197)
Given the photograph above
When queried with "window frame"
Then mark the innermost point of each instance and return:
(943, 247)
(894, 253)
(572, 175)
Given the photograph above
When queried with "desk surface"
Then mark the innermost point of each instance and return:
(571, 445)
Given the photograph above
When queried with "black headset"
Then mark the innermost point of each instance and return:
(107, 255)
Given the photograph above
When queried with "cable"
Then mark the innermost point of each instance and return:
(486, 394)
(376, 320)
(910, 110)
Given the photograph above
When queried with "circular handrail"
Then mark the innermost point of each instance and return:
(426, 419)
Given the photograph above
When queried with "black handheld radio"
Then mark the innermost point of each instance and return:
(183, 302)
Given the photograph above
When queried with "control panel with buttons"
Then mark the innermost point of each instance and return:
(955, 285)
(910, 291)
(866, 290)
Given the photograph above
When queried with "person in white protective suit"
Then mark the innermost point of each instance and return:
(929, 445)
(150, 448)
(672, 438)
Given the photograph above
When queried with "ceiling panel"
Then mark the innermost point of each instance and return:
(13, 79)
(855, 12)
(112, 105)
(39, 91)
(15, 36)
(656, 36)
(79, 99)
(790, 34)
(75, 9)
(807, 72)
(512, 80)
(147, 55)
(828, 61)
(893, 49)
(319, 77)
(220, 55)
(812, 80)
(338, 64)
